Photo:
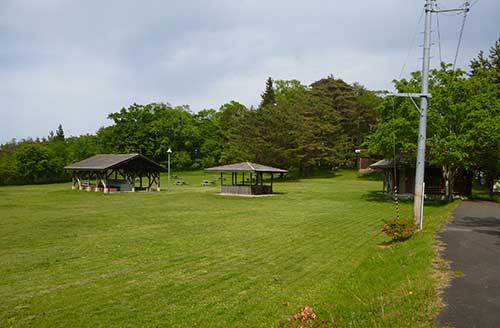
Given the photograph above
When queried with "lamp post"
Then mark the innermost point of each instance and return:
(169, 152)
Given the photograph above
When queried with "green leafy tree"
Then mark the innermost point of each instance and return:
(209, 145)
(236, 126)
(33, 163)
(463, 122)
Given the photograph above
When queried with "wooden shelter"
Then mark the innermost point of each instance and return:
(396, 172)
(252, 183)
(116, 172)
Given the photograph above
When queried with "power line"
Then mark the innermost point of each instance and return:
(466, 10)
(439, 38)
(411, 45)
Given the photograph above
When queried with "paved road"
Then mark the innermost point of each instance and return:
(473, 247)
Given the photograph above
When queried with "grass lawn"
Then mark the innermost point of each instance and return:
(192, 258)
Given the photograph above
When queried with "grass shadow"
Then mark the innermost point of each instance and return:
(391, 242)
(379, 196)
(375, 176)
(294, 177)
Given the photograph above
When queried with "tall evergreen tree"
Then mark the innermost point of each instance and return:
(59, 133)
(269, 96)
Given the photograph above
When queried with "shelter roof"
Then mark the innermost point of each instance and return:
(245, 167)
(103, 162)
(386, 163)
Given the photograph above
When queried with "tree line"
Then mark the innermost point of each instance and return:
(297, 127)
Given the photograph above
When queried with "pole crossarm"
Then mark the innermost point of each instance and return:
(437, 11)
(408, 95)
(411, 95)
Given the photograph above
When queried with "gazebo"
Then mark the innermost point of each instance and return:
(115, 172)
(252, 184)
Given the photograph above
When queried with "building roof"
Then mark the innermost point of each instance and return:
(103, 162)
(246, 167)
(386, 163)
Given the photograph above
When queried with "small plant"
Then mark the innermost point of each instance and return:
(306, 318)
(399, 229)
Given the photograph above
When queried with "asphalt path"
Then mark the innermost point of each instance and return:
(473, 248)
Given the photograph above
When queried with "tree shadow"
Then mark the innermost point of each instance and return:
(391, 242)
(375, 176)
(381, 197)
(477, 222)
(322, 174)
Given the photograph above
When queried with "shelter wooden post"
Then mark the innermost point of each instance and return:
(89, 188)
(104, 181)
(97, 178)
(79, 179)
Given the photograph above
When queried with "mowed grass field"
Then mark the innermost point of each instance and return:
(192, 258)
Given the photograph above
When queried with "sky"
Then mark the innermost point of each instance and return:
(73, 62)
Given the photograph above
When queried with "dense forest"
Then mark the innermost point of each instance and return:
(298, 127)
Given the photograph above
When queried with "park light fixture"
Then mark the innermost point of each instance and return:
(169, 152)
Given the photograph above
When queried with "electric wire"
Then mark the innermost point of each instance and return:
(439, 39)
(466, 10)
(411, 45)
(473, 4)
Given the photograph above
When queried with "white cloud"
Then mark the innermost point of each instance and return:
(73, 62)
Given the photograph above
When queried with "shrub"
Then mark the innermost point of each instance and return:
(399, 229)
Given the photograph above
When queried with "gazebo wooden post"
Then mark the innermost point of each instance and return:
(73, 181)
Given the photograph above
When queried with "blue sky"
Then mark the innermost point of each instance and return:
(74, 62)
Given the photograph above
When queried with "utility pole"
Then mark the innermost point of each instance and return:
(418, 197)
(418, 201)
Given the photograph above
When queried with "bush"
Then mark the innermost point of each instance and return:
(399, 229)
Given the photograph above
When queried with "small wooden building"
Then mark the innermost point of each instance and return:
(395, 171)
(116, 172)
(246, 178)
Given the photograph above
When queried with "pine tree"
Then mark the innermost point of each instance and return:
(59, 133)
(268, 97)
